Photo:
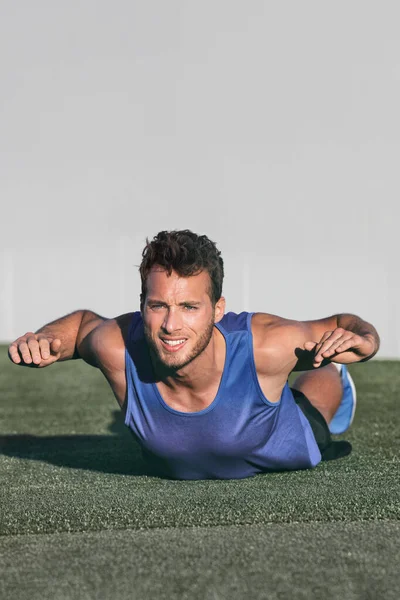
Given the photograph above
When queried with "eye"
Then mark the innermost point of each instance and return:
(156, 306)
(189, 307)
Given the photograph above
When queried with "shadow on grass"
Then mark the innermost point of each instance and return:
(118, 453)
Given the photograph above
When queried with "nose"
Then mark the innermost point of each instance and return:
(172, 321)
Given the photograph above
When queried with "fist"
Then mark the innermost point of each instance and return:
(35, 350)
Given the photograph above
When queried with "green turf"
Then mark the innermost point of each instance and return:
(269, 561)
(71, 472)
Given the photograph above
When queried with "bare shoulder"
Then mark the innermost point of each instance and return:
(275, 342)
(265, 327)
(104, 346)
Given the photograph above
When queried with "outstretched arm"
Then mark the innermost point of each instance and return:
(62, 339)
(343, 338)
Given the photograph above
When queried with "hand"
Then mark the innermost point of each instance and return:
(35, 350)
(340, 345)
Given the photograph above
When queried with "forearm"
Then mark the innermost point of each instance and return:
(66, 329)
(365, 330)
(63, 339)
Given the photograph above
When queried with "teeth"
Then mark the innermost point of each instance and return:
(173, 342)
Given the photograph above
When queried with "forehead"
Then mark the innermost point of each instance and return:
(159, 283)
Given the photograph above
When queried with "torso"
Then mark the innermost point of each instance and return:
(273, 362)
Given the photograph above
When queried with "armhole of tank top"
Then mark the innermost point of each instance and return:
(253, 365)
(128, 369)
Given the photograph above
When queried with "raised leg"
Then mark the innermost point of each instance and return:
(323, 388)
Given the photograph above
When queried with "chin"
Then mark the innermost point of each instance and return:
(175, 362)
(184, 356)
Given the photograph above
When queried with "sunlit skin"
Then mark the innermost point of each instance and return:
(179, 318)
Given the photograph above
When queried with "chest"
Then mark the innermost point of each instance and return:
(188, 401)
(230, 426)
(234, 421)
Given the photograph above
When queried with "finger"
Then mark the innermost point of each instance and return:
(319, 345)
(328, 353)
(330, 347)
(326, 349)
(14, 354)
(326, 336)
(312, 346)
(25, 353)
(346, 345)
(333, 340)
(336, 348)
(335, 336)
(317, 361)
(44, 346)
(34, 349)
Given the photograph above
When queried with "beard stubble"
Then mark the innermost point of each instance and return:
(176, 363)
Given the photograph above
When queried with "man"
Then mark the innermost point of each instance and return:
(206, 394)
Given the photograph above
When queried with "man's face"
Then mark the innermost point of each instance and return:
(178, 316)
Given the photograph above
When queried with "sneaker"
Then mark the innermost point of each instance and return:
(344, 415)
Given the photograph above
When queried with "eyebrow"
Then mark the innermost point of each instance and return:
(185, 303)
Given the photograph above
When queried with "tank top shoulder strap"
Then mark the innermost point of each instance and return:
(134, 326)
(232, 322)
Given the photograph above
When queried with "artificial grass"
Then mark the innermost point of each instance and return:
(67, 464)
(296, 560)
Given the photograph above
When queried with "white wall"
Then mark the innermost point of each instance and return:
(271, 126)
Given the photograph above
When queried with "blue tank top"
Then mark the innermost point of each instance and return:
(238, 435)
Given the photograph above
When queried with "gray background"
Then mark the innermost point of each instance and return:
(271, 126)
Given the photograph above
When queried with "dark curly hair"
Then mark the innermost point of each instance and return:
(186, 253)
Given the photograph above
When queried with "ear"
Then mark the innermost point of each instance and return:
(219, 309)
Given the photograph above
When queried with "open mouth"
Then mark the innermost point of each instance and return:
(173, 345)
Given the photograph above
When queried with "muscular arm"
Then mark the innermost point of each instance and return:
(82, 334)
(282, 345)
(63, 339)
(342, 338)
